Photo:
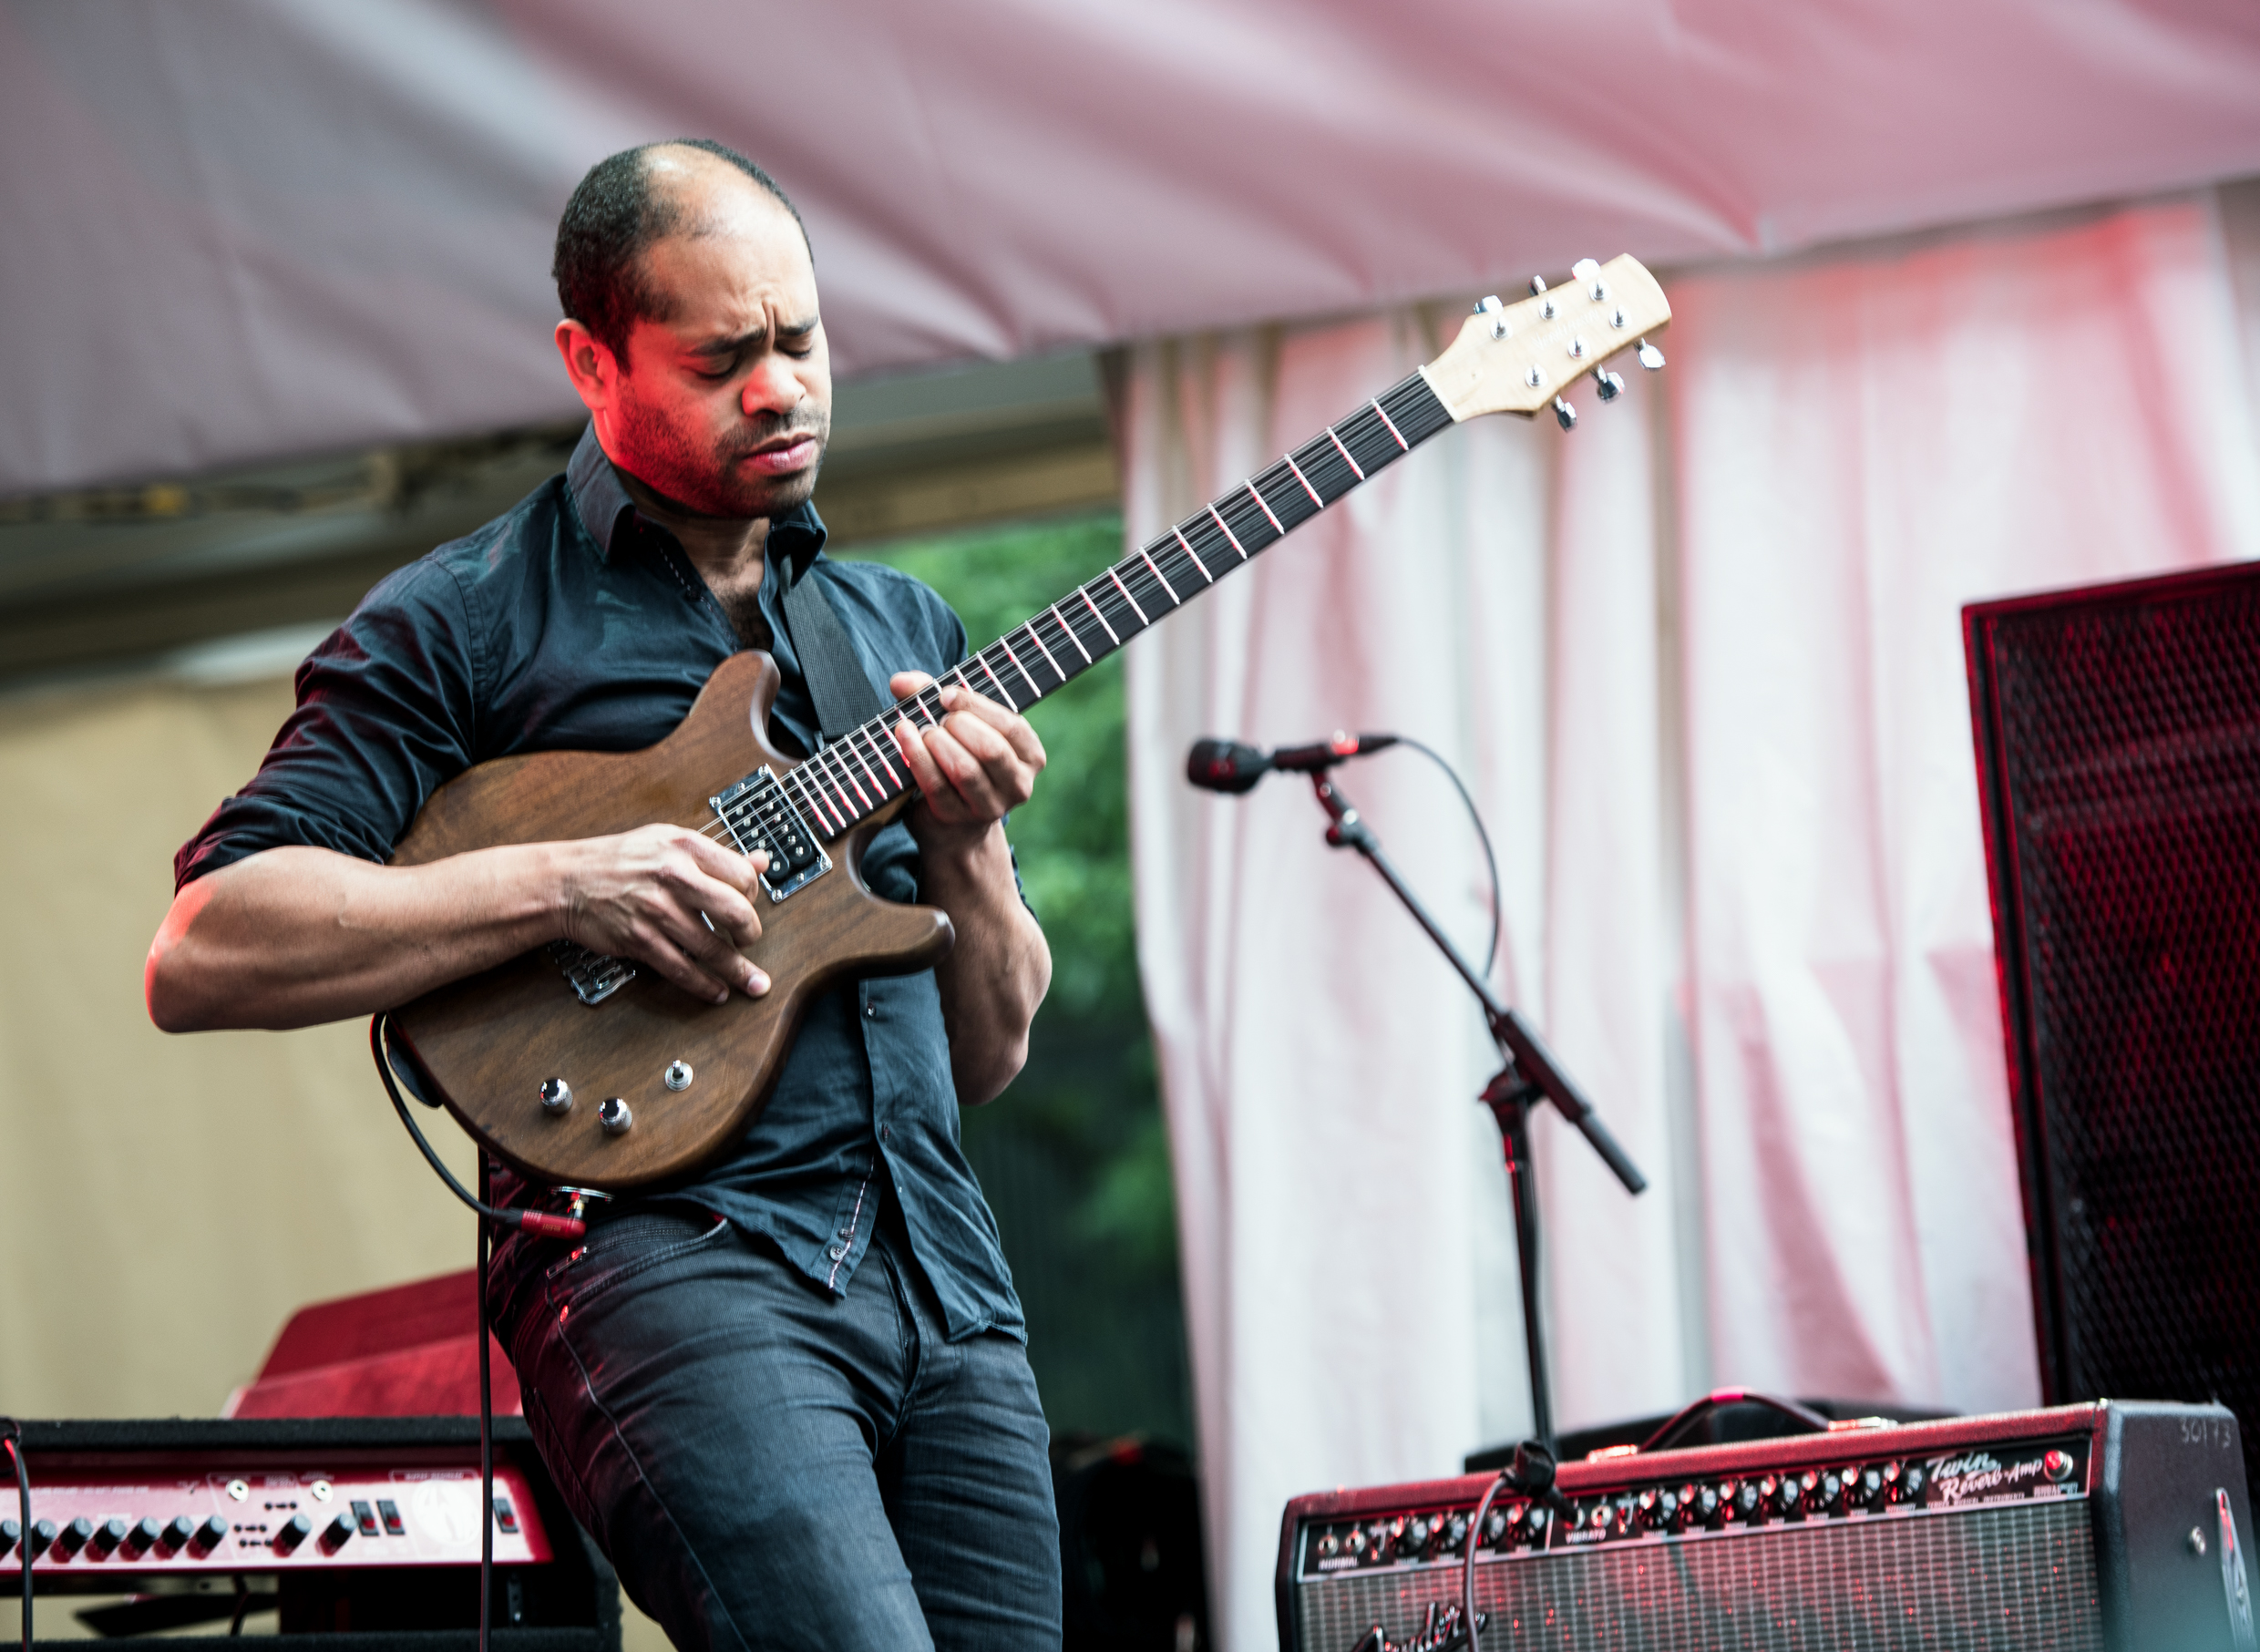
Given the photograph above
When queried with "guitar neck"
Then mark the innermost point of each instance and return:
(859, 774)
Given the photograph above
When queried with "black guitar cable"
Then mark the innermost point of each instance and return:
(508, 1215)
(12, 1437)
(490, 1216)
(485, 1415)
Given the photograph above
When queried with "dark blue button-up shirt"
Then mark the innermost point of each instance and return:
(575, 622)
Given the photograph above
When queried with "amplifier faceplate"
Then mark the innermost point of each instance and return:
(2038, 1529)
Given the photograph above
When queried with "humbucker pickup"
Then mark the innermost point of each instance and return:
(759, 815)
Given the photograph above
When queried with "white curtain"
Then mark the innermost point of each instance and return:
(1700, 661)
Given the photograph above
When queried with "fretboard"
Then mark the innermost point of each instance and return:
(862, 771)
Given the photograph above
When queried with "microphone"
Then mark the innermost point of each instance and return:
(1227, 765)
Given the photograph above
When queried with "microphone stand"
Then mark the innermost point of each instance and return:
(1529, 1076)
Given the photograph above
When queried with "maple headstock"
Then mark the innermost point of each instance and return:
(1520, 357)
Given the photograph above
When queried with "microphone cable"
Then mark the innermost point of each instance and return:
(1491, 861)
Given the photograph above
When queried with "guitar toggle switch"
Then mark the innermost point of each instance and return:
(677, 1076)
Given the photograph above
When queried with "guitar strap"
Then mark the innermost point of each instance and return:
(837, 679)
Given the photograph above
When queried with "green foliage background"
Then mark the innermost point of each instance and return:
(1074, 1157)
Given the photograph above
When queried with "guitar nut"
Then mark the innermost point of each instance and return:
(677, 1076)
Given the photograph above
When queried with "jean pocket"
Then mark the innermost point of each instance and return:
(620, 1250)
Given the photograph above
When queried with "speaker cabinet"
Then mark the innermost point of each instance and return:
(2118, 735)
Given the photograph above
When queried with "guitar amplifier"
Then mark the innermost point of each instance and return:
(364, 1531)
(2114, 1526)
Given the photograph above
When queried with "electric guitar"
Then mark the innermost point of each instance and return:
(584, 1070)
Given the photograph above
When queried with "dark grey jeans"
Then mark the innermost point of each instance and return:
(770, 1465)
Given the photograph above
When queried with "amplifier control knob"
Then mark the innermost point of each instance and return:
(209, 1535)
(1832, 1490)
(73, 1537)
(1330, 1545)
(1456, 1532)
(1536, 1523)
(10, 1535)
(109, 1535)
(334, 1535)
(179, 1533)
(1747, 1499)
(1911, 1485)
(1646, 1504)
(1788, 1494)
(1354, 1543)
(145, 1537)
(1709, 1509)
(1495, 1524)
(43, 1535)
(1666, 1508)
(294, 1531)
(1415, 1536)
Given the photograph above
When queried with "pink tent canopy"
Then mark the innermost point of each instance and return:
(252, 227)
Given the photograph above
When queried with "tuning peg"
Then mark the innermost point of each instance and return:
(1492, 307)
(1651, 358)
(1611, 386)
(1564, 412)
(1538, 285)
(1588, 273)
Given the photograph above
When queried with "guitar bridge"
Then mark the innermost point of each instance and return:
(759, 815)
(595, 976)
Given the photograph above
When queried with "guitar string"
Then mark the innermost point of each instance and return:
(1358, 445)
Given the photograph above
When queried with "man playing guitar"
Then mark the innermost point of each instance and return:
(789, 1396)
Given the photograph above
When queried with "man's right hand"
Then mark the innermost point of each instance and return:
(296, 935)
(671, 899)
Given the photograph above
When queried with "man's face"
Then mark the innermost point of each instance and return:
(725, 402)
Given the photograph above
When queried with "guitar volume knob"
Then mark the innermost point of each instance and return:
(615, 1115)
(557, 1096)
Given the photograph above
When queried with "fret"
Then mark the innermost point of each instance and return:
(1034, 693)
(1085, 592)
(1037, 637)
(1317, 503)
(864, 763)
(1070, 635)
(1128, 598)
(1175, 600)
(1188, 546)
(992, 677)
(879, 750)
(1354, 469)
(849, 776)
(1229, 534)
(1266, 509)
(1403, 446)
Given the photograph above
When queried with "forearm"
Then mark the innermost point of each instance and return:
(996, 975)
(295, 935)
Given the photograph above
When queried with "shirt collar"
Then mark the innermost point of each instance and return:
(795, 536)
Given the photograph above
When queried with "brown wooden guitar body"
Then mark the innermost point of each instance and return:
(484, 1046)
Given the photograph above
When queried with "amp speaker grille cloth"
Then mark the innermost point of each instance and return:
(2118, 733)
(2017, 1579)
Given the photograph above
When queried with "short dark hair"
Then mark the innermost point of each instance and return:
(611, 221)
